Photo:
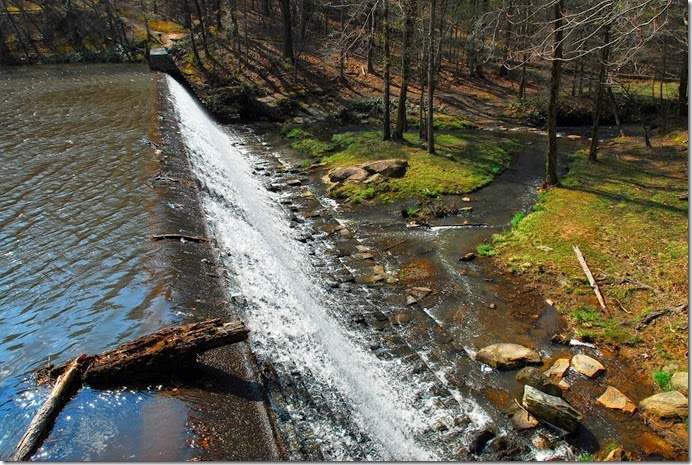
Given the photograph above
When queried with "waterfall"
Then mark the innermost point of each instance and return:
(375, 409)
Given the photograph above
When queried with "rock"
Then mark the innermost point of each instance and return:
(679, 381)
(523, 420)
(507, 356)
(552, 409)
(468, 257)
(656, 446)
(557, 371)
(530, 375)
(559, 339)
(294, 182)
(374, 178)
(349, 173)
(587, 366)
(616, 400)
(533, 377)
(666, 405)
(617, 455)
(481, 440)
(390, 168)
(419, 292)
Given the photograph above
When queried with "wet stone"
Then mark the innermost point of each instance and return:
(523, 420)
(557, 371)
(586, 365)
(612, 398)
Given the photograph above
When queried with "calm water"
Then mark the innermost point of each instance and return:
(77, 270)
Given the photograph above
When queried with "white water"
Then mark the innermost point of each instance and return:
(291, 316)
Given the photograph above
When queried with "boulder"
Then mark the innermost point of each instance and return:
(587, 366)
(614, 399)
(390, 168)
(507, 356)
(349, 173)
(533, 377)
(551, 409)
(523, 420)
(679, 381)
(666, 405)
(557, 371)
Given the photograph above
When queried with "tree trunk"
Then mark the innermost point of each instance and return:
(614, 108)
(42, 423)
(682, 89)
(405, 58)
(193, 42)
(422, 121)
(522, 79)
(266, 8)
(371, 39)
(431, 78)
(287, 31)
(593, 152)
(158, 354)
(551, 155)
(386, 125)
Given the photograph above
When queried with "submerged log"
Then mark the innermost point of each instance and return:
(158, 353)
(42, 423)
(155, 356)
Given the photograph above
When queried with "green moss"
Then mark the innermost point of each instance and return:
(462, 164)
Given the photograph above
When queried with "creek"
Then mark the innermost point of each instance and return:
(349, 370)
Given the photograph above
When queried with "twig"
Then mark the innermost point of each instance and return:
(158, 237)
(395, 245)
(591, 279)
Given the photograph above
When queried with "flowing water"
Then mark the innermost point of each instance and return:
(351, 372)
(349, 387)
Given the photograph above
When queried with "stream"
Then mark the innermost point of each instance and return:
(346, 369)
(353, 372)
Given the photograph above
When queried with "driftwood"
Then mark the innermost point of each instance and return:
(157, 355)
(158, 237)
(649, 317)
(42, 423)
(591, 279)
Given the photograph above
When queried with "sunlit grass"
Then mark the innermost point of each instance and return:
(628, 214)
(462, 164)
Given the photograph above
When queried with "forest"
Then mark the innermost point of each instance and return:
(351, 82)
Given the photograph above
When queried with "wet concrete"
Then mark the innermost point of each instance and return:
(226, 398)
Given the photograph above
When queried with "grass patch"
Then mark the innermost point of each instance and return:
(167, 27)
(628, 214)
(463, 163)
(662, 380)
(517, 219)
(486, 250)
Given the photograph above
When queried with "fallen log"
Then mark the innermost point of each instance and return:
(591, 279)
(42, 423)
(156, 354)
